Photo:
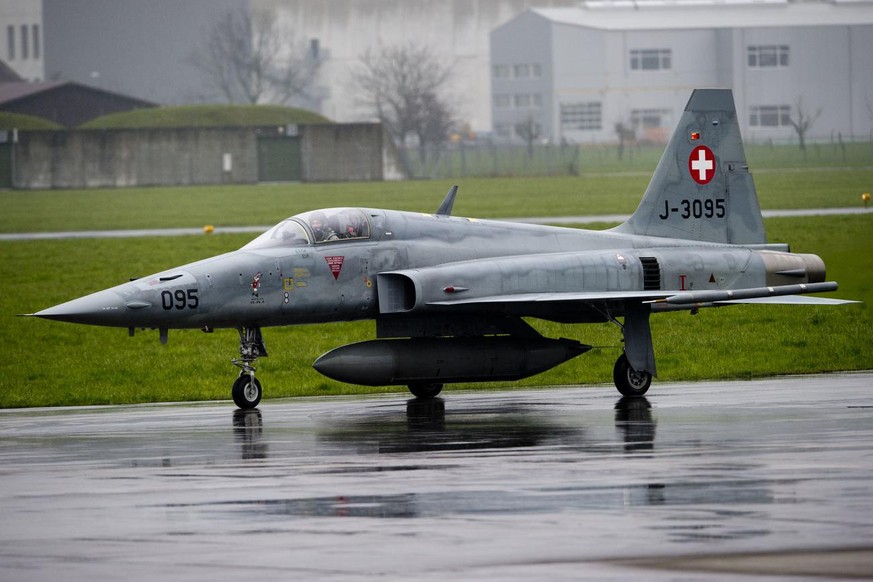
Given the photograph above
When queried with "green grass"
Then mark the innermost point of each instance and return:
(50, 363)
(60, 210)
(205, 116)
(25, 122)
(488, 160)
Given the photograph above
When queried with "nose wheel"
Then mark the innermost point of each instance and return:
(246, 389)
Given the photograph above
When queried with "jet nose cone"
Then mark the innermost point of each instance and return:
(101, 308)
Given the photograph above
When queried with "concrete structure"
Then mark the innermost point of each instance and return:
(457, 32)
(355, 151)
(581, 71)
(173, 157)
(21, 38)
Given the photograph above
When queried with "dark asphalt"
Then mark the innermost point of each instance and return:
(702, 481)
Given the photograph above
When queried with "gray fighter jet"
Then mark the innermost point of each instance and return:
(449, 294)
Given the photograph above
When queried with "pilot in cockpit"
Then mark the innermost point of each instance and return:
(321, 229)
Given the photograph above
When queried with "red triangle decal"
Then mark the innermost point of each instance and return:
(335, 264)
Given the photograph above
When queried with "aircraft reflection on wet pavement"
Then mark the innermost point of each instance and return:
(551, 483)
(428, 427)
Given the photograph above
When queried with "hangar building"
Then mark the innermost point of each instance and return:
(573, 74)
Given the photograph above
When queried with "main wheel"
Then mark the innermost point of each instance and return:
(425, 391)
(246, 391)
(628, 381)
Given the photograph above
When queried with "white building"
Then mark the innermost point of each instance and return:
(580, 71)
(21, 38)
(457, 33)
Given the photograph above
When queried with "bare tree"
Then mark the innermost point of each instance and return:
(529, 131)
(801, 121)
(626, 133)
(402, 86)
(249, 58)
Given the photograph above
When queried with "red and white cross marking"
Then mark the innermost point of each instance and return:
(701, 164)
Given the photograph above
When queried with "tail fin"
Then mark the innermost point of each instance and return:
(702, 189)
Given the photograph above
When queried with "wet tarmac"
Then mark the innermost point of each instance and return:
(704, 481)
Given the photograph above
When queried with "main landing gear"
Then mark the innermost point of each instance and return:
(246, 389)
(635, 379)
(628, 381)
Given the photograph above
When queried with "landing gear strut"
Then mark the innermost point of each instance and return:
(635, 379)
(246, 389)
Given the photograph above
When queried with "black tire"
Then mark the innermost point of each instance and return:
(246, 392)
(628, 381)
(425, 391)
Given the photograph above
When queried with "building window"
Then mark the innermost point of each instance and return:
(25, 45)
(650, 118)
(502, 101)
(524, 100)
(10, 43)
(768, 56)
(501, 71)
(650, 59)
(581, 116)
(536, 70)
(503, 130)
(521, 70)
(770, 116)
(36, 47)
(529, 129)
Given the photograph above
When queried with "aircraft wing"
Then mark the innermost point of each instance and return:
(790, 300)
(581, 297)
(781, 295)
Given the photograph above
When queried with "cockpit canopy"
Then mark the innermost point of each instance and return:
(316, 227)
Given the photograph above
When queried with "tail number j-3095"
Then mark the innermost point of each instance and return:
(180, 299)
(709, 208)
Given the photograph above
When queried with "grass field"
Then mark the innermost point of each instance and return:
(553, 160)
(59, 210)
(50, 363)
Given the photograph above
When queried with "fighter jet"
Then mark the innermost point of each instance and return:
(449, 295)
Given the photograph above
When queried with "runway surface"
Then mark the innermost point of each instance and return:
(589, 219)
(702, 481)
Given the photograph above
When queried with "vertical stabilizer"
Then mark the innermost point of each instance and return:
(702, 189)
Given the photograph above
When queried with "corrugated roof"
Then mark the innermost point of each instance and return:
(687, 14)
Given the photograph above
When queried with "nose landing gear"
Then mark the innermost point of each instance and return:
(246, 389)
